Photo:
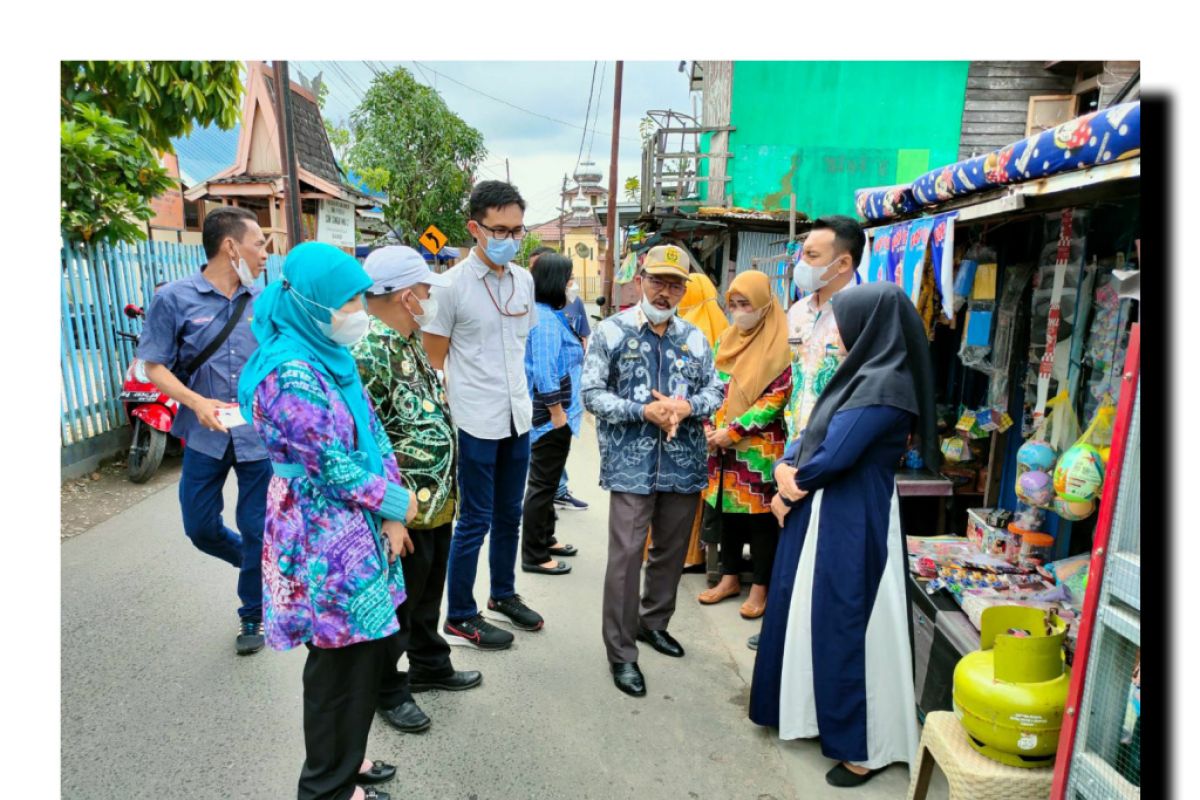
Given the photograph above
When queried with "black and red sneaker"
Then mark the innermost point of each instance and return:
(520, 615)
(479, 633)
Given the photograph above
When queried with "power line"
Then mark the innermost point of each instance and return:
(587, 115)
(596, 121)
(510, 105)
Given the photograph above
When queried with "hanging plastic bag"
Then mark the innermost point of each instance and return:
(981, 308)
(1036, 458)
(1079, 475)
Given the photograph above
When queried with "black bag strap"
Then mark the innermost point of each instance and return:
(235, 316)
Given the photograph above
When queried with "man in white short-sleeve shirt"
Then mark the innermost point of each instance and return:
(478, 337)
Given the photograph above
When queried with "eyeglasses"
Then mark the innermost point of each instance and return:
(516, 234)
(659, 285)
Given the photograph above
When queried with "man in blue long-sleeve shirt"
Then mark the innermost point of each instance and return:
(649, 379)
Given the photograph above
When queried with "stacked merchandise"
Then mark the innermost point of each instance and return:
(997, 565)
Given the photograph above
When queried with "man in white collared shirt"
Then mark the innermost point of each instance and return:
(478, 337)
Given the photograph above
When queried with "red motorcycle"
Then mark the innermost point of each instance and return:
(150, 411)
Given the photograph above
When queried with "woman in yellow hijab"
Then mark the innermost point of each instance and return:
(747, 436)
(699, 307)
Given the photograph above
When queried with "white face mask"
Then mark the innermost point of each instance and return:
(809, 278)
(429, 310)
(344, 329)
(745, 320)
(243, 272)
(572, 294)
(656, 315)
(348, 328)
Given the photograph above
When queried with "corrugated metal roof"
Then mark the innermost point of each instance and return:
(756, 245)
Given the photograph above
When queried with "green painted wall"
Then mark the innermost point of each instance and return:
(826, 128)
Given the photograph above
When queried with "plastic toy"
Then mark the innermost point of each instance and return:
(1079, 475)
(1009, 695)
(1073, 511)
(1036, 456)
(1036, 488)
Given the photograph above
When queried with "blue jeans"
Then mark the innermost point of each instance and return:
(562, 485)
(202, 501)
(491, 488)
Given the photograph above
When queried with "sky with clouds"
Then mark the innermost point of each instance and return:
(539, 151)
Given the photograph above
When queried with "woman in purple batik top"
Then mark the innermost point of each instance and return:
(336, 511)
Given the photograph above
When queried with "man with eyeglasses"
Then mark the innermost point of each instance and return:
(478, 337)
(649, 379)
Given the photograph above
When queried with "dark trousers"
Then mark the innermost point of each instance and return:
(202, 500)
(761, 531)
(341, 686)
(491, 483)
(428, 654)
(546, 463)
(630, 517)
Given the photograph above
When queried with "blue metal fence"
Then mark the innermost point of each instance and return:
(98, 281)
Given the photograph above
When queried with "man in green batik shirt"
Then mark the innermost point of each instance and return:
(411, 403)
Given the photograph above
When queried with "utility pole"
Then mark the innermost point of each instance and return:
(507, 176)
(610, 263)
(287, 152)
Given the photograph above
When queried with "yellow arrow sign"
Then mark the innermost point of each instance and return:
(433, 239)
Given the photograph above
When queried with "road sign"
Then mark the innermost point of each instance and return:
(433, 239)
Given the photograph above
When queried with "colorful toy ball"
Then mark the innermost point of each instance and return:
(1036, 488)
(1036, 456)
(1073, 511)
(1079, 474)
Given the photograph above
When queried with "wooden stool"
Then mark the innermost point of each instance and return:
(971, 776)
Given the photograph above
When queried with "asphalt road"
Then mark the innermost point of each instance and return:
(155, 704)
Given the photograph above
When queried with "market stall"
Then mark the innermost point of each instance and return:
(1023, 264)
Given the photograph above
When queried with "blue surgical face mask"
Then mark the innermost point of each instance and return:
(501, 251)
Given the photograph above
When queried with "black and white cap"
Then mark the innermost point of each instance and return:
(398, 267)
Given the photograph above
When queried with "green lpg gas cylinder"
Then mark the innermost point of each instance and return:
(1010, 694)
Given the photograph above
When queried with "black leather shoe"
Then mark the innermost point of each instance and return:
(457, 682)
(407, 718)
(661, 641)
(371, 793)
(629, 680)
(380, 772)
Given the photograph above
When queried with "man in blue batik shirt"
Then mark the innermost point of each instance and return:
(649, 379)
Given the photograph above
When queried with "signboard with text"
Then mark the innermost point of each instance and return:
(335, 223)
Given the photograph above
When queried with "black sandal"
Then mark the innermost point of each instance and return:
(564, 550)
(844, 778)
(380, 772)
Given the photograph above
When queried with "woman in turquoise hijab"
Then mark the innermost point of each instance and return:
(336, 511)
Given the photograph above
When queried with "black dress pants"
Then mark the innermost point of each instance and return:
(761, 531)
(424, 583)
(548, 458)
(341, 686)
